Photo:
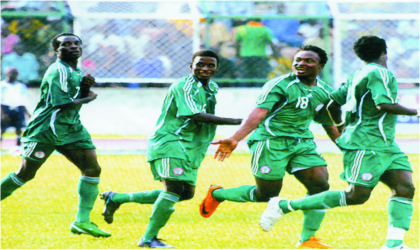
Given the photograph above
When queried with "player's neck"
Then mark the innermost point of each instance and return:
(308, 80)
(72, 63)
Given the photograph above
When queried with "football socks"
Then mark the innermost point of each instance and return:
(162, 211)
(324, 200)
(400, 211)
(88, 192)
(9, 184)
(239, 194)
(143, 197)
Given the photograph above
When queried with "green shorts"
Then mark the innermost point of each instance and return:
(174, 169)
(365, 167)
(39, 152)
(272, 158)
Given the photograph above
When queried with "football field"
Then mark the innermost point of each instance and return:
(38, 215)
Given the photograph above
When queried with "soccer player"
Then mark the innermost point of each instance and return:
(14, 100)
(55, 125)
(370, 153)
(175, 151)
(283, 142)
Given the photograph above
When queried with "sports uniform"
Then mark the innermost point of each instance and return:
(178, 145)
(368, 142)
(283, 139)
(52, 127)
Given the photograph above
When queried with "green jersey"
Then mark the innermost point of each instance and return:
(253, 39)
(292, 107)
(51, 124)
(176, 135)
(368, 128)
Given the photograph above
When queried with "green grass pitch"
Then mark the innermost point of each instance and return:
(38, 215)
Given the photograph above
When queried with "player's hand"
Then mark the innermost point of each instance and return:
(225, 149)
(88, 80)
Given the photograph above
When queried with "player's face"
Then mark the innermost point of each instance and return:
(70, 48)
(306, 63)
(204, 67)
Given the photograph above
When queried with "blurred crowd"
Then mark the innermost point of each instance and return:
(161, 48)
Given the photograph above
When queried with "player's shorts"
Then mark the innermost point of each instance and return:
(39, 152)
(174, 169)
(365, 167)
(272, 158)
(15, 117)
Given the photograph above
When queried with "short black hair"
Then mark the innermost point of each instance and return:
(369, 48)
(55, 43)
(208, 53)
(323, 58)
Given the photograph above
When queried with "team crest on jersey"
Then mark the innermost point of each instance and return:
(178, 171)
(39, 154)
(319, 107)
(367, 176)
(265, 169)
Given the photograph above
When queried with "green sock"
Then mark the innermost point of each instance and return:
(400, 211)
(312, 220)
(324, 200)
(239, 194)
(9, 184)
(88, 192)
(162, 211)
(143, 197)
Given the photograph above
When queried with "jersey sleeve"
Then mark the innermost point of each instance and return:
(272, 93)
(322, 117)
(185, 101)
(58, 80)
(382, 84)
(340, 95)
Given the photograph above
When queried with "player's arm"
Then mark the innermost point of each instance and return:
(208, 118)
(226, 146)
(332, 131)
(78, 102)
(397, 109)
(334, 111)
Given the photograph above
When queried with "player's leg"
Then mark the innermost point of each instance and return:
(357, 164)
(19, 123)
(400, 205)
(34, 154)
(316, 181)
(178, 178)
(5, 120)
(86, 160)
(268, 175)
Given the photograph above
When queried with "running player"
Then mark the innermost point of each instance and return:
(370, 153)
(283, 142)
(55, 125)
(179, 144)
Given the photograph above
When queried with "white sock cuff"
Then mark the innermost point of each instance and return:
(395, 233)
(91, 180)
(290, 206)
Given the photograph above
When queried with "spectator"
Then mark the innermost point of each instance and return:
(214, 32)
(25, 63)
(8, 39)
(13, 104)
(227, 67)
(150, 66)
(252, 39)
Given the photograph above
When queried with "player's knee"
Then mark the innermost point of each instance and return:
(357, 198)
(264, 196)
(186, 196)
(405, 190)
(318, 187)
(92, 171)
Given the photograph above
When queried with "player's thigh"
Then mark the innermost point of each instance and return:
(365, 167)
(83, 155)
(269, 160)
(174, 169)
(34, 154)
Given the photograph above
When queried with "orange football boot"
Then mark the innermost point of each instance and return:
(315, 243)
(209, 204)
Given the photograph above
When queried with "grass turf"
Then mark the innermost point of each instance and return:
(38, 215)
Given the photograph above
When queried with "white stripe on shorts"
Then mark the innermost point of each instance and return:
(356, 165)
(256, 156)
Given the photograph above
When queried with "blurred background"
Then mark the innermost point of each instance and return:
(136, 49)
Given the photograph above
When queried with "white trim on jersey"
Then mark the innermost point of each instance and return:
(268, 87)
(381, 127)
(63, 77)
(53, 116)
(267, 121)
(187, 89)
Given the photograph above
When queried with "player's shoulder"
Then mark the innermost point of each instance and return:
(283, 81)
(374, 69)
(57, 68)
(324, 85)
(186, 83)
